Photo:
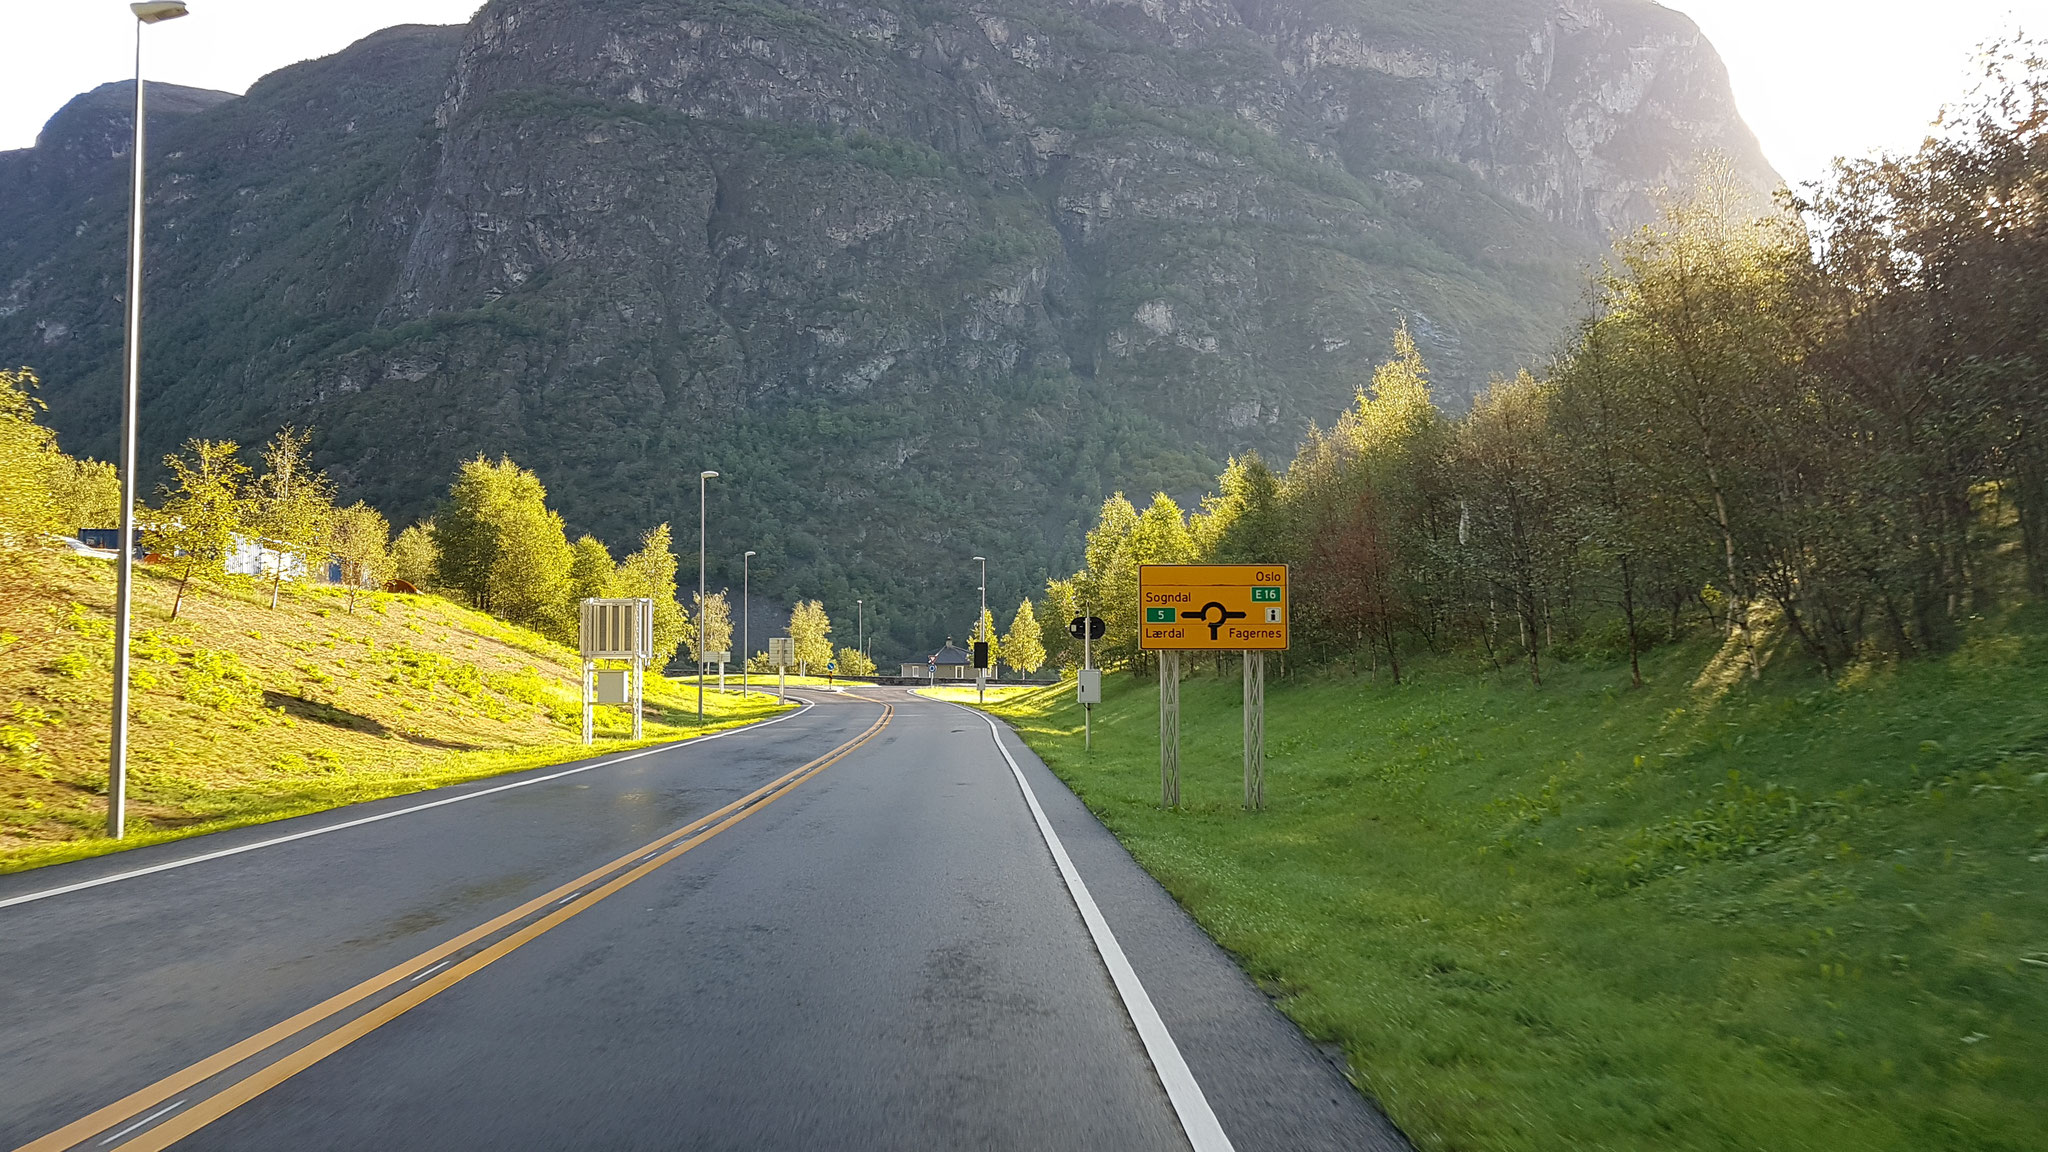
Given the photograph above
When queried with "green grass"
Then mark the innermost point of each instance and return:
(244, 713)
(1707, 914)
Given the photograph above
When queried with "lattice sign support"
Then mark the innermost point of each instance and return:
(1254, 730)
(1169, 729)
(615, 630)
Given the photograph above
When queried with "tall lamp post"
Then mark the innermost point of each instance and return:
(746, 617)
(860, 635)
(117, 756)
(703, 481)
(981, 633)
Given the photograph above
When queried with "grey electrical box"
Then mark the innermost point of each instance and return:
(613, 687)
(1091, 686)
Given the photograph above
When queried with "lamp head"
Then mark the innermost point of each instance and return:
(707, 475)
(158, 11)
(983, 559)
(753, 553)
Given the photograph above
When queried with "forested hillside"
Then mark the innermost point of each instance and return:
(1821, 431)
(923, 282)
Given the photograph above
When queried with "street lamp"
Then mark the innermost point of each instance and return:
(746, 617)
(703, 480)
(860, 635)
(981, 631)
(117, 756)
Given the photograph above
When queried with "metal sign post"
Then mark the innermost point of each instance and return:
(1255, 730)
(1169, 729)
(781, 653)
(1206, 608)
(589, 692)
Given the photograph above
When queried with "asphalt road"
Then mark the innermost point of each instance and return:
(845, 929)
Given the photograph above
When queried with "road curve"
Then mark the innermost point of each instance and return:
(842, 930)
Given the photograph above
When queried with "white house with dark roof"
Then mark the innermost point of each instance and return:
(948, 663)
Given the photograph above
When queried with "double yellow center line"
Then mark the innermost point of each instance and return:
(140, 1108)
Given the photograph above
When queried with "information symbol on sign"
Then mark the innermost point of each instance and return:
(1159, 615)
(1266, 595)
(1272, 615)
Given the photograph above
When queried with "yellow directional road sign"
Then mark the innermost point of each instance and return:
(1205, 607)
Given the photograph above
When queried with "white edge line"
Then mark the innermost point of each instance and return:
(1197, 1119)
(605, 762)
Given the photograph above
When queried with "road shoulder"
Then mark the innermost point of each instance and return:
(1270, 1087)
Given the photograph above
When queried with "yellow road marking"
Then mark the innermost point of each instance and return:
(262, 1080)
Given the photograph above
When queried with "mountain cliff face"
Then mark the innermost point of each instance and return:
(923, 279)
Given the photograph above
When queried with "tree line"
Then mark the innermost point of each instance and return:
(1826, 422)
(493, 543)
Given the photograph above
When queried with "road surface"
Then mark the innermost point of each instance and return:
(846, 929)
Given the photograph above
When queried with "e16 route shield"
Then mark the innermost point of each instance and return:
(1213, 607)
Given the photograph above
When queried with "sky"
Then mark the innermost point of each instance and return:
(1814, 78)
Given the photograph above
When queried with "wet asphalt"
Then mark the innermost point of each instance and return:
(885, 957)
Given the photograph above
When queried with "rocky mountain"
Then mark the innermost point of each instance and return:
(922, 278)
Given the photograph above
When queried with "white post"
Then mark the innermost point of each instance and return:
(638, 687)
(1087, 662)
(721, 675)
(589, 692)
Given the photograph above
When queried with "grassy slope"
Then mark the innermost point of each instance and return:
(1705, 915)
(245, 714)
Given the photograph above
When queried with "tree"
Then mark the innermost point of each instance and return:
(714, 616)
(1108, 585)
(1506, 453)
(414, 556)
(499, 544)
(1347, 585)
(811, 630)
(1022, 645)
(855, 663)
(1700, 325)
(85, 493)
(466, 531)
(530, 574)
(591, 571)
(651, 572)
(1055, 643)
(26, 453)
(204, 507)
(361, 540)
(1245, 522)
(985, 629)
(293, 504)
